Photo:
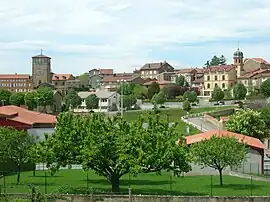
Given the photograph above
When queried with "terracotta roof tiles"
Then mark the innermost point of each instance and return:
(14, 76)
(61, 77)
(219, 68)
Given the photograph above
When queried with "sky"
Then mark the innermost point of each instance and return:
(125, 34)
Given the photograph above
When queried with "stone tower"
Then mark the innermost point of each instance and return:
(41, 69)
(238, 58)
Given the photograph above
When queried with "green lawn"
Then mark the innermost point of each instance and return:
(75, 181)
(173, 114)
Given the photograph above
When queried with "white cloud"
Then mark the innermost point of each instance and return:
(115, 33)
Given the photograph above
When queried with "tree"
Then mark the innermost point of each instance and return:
(113, 147)
(73, 99)
(186, 105)
(265, 88)
(265, 113)
(129, 101)
(127, 88)
(17, 99)
(219, 153)
(248, 122)
(92, 102)
(153, 89)
(180, 80)
(217, 94)
(44, 97)
(84, 79)
(4, 96)
(191, 96)
(140, 91)
(222, 60)
(30, 99)
(239, 91)
(159, 98)
(214, 61)
(207, 64)
(15, 146)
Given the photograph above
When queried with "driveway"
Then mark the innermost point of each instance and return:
(201, 124)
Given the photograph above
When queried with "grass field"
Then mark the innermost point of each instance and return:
(75, 181)
(173, 114)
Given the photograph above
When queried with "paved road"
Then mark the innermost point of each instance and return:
(201, 124)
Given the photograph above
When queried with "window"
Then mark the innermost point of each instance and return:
(223, 85)
(216, 84)
(150, 72)
(215, 78)
(56, 83)
(208, 78)
(223, 77)
(155, 72)
(103, 100)
(142, 72)
(208, 85)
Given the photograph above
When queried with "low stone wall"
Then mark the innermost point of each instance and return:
(142, 198)
(214, 121)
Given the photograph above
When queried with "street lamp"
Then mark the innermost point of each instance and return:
(122, 95)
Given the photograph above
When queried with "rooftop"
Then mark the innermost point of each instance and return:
(14, 76)
(118, 78)
(105, 71)
(251, 141)
(25, 116)
(41, 56)
(254, 73)
(100, 94)
(219, 68)
(61, 77)
(153, 66)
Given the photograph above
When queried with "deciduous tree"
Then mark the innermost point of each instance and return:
(217, 94)
(219, 153)
(44, 96)
(91, 102)
(17, 99)
(159, 98)
(180, 80)
(73, 99)
(153, 89)
(140, 92)
(239, 91)
(265, 88)
(4, 96)
(126, 88)
(15, 146)
(186, 105)
(30, 99)
(113, 147)
(248, 122)
(191, 96)
(129, 101)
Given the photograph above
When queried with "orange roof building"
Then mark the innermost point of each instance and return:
(23, 119)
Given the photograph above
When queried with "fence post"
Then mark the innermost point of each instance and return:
(130, 194)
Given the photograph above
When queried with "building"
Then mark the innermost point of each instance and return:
(254, 160)
(188, 73)
(57, 102)
(22, 119)
(59, 82)
(223, 76)
(16, 82)
(108, 101)
(251, 64)
(96, 75)
(41, 70)
(111, 83)
(151, 70)
(73, 84)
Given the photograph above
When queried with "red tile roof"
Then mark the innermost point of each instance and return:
(153, 66)
(253, 73)
(260, 60)
(219, 68)
(118, 78)
(251, 141)
(14, 76)
(25, 116)
(186, 70)
(61, 77)
(106, 71)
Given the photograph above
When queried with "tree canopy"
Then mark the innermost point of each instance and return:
(17, 99)
(153, 89)
(30, 99)
(113, 147)
(248, 122)
(239, 91)
(191, 96)
(217, 94)
(216, 61)
(126, 88)
(129, 101)
(265, 88)
(4, 96)
(44, 96)
(84, 79)
(159, 98)
(92, 102)
(219, 153)
(72, 99)
(186, 105)
(181, 81)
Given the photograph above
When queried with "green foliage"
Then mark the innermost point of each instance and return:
(217, 61)
(152, 90)
(239, 91)
(15, 146)
(248, 122)
(186, 105)
(30, 99)
(17, 99)
(191, 96)
(84, 78)
(113, 147)
(217, 94)
(92, 102)
(265, 88)
(222, 60)
(219, 153)
(129, 101)
(159, 98)
(73, 99)
(265, 113)
(44, 96)
(180, 80)
(140, 92)
(4, 95)
(126, 88)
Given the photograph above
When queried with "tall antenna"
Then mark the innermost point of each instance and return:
(238, 44)
(41, 51)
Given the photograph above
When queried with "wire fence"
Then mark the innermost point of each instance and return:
(80, 182)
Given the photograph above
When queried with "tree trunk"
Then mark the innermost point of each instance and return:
(115, 183)
(220, 177)
(19, 173)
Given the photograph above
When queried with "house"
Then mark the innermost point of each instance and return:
(69, 84)
(22, 119)
(16, 82)
(57, 102)
(96, 75)
(111, 83)
(223, 76)
(108, 101)
(161, 84)
(255, 157)
(151, 70)
(188, 73)
(59, 81)
(251, 64)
